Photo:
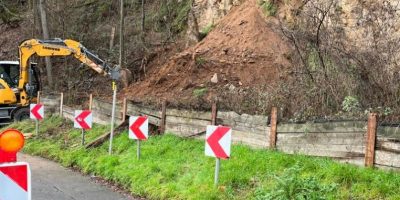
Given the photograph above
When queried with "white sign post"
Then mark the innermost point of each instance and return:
(37, 114)
(83, 120)
(138, 130)
(114, 87)
(15, 181)
(218, 145)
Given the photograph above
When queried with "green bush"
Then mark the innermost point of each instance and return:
(351, 104)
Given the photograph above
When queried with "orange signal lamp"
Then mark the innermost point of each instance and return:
(11, 141)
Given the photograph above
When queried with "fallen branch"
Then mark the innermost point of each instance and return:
(100, 140)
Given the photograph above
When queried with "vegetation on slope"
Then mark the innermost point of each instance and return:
(176, 168)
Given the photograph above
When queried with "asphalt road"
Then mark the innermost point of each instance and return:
(51, 181)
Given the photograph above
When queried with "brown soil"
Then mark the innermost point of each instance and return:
(245, 50)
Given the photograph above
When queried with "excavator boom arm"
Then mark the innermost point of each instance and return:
(58, 47)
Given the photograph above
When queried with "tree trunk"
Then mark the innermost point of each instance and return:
(121, 34)
(45, 31)
(143, 15)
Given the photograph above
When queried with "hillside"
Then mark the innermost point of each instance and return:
(333, 59)
(242, 52)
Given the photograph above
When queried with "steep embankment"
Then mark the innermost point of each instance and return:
(244, 50)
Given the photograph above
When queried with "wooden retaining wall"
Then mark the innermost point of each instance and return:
(345, 140)
(340, 140)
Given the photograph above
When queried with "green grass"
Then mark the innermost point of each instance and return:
(176, 168)
(268, 7)
(200, 92)
(206, 30)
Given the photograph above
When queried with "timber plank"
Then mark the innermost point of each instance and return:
(327, 127)
(320, 152)
(387, 158)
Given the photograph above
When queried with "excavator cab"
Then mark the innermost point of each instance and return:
(9, 76)
(7, 95)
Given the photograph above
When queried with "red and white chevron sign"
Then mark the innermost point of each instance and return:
(36, 111)
(218, 141)
(138, 128)
(15, 181)
(83, 119)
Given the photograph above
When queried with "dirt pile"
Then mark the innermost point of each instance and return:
(244, 50)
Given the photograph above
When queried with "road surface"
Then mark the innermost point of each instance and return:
(51, 181)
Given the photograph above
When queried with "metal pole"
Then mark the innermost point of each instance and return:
(83, 137)
(217, 166)
(113, 116)
(61, 104)
(37, 127)
(138, 149)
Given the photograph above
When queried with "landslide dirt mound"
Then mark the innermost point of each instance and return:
(244, 50)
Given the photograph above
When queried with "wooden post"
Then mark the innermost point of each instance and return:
(371, 139)
(90, 102)
(38, 97)
(214, 111)
(273, 133)
(61, 104)
(163, 117)
(124, 109)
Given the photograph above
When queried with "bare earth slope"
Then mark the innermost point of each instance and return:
(244, 49)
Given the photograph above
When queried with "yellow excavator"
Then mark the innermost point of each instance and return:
(20, 81)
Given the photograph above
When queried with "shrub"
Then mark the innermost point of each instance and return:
(351, 104)
(268, 7)
(200, 92)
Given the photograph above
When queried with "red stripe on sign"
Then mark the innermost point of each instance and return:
(213, 141)
(136, 128)
(35, 111)
(18, 174)
(81, 119)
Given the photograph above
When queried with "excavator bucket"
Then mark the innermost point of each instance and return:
(125, 77)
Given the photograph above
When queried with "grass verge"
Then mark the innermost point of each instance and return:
(176, 168)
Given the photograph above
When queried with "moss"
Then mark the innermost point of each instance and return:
(9, 15)
(200, 92)
(173, 15)
(206, 30)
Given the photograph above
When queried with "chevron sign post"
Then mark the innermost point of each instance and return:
(138, 130)
(218, 145)
(15, 183)
(83, 120)
(37, 114)
(15, 177)
(37, 111)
